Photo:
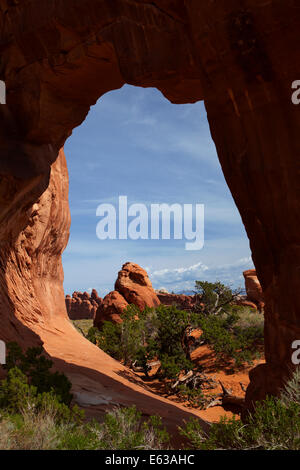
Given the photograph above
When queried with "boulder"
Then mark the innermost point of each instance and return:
(132, 286)
(110, 309)
(135, 286)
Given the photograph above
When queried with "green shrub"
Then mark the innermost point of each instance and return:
(194, 397)
(144, 336)
(15, 392)
(215, 297)
(37, 368)
(31, 418)
(18, 396)
(229, 340)
(108, 339)
(122, 341)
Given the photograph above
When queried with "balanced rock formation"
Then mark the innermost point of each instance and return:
(135, 286)
(253, 289)
(83, 305)
(132, 286)
(241, 58)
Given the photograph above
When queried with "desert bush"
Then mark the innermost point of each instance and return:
(17, 395)
(108, 339)
(215, 297)
(144, 336)
(122, 341)
(122, 429)
(31, 418)
(37, 368)
(274, 425)
(194, 396)
(30, 386)
(28, 431)
(229, 340)
(233, 331)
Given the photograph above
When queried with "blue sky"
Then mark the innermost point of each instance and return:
(135, 143)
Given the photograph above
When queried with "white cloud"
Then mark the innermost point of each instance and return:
(183, 278)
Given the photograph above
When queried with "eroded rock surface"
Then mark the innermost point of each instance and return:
(241, 58)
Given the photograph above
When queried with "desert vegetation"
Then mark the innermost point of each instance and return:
(31, 418)
(162, 339)
(36, 412)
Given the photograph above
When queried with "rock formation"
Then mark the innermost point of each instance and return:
(181, 301)
(253, 289)
(135, 286)
(132, 286)
(59, 56)
(110, 309)
(83, 305)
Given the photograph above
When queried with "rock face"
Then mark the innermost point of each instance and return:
(135, 286)
(253, 288)
(83, 305)
(31, 274)
(240, 58)
(132, 286)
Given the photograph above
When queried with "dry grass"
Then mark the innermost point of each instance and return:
(83, 326)
(249, 317)
(123, 428)
(31, 431)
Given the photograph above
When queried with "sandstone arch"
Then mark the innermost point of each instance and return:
(59, 56)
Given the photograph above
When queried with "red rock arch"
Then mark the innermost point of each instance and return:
(59, 56)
